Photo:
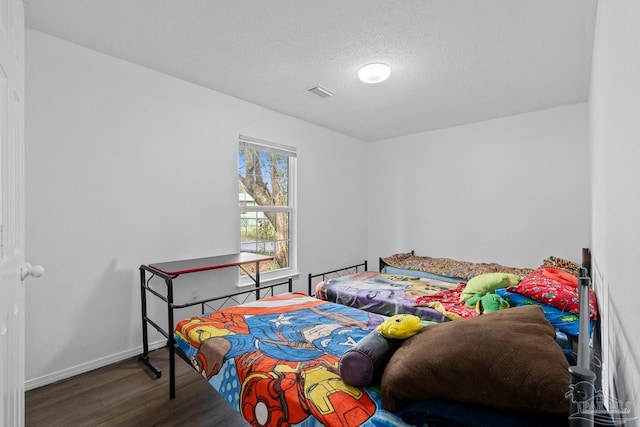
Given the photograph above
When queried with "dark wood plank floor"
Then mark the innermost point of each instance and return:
(128, 394)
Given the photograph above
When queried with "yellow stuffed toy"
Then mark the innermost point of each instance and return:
(401, 326)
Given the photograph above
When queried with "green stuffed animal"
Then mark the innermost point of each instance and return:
(487, 303)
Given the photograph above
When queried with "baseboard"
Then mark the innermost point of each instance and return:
(89, 366)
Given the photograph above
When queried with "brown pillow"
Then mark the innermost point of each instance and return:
(506, 360)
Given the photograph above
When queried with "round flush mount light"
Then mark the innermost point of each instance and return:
(374, 73)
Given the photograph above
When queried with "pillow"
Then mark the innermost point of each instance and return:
(364, 363)
(507, 360)
(541, 287)
(560, 276)
(487, 283)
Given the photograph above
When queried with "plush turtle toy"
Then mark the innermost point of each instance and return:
(487, 303)
(400, 326)
(363, 364)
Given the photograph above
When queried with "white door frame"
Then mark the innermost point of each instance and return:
(12, 215)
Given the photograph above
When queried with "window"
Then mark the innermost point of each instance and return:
(266, 196)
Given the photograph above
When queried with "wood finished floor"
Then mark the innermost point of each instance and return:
(128, 394)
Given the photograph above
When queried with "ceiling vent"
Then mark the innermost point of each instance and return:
(320, 91)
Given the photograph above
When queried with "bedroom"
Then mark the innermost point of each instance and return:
(113, 149)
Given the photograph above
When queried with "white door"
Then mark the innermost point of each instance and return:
(12, 213)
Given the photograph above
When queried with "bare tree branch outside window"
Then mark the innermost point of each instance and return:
(264, 196)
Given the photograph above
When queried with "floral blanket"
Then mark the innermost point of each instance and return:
(447, 267)
(448, 303)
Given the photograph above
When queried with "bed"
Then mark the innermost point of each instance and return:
(433, 288)
(277, 362)
(402, 280)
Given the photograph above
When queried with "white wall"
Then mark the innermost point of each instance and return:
(615, 128)
(512, 190)
(127, 166)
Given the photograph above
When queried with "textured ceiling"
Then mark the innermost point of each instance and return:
(453, 61)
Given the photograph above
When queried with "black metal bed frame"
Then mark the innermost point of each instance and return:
(335, 273)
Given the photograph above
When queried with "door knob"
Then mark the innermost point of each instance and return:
(31, 270)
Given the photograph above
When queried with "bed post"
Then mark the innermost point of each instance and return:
(586, 260)
(582, 391)
(583, 331)
(582, 386)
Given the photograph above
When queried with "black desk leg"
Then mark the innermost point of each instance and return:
(171, 342)
(144, 357)
(258, 280)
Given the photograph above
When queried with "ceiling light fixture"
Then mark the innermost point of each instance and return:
(374, 73)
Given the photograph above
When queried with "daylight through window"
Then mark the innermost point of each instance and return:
(266, 196)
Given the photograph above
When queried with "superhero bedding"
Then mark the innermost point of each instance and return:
(276, 362)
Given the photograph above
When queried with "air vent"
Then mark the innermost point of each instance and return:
(320, 91)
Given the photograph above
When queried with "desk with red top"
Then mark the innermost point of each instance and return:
(170, 271)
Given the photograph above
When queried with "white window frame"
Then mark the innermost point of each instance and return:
(291, 209)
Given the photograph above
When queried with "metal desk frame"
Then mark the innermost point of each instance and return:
(170, 271)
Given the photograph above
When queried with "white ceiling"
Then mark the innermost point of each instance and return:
(453, 61)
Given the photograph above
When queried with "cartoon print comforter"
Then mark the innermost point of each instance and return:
(276, 361)
(385, 294)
